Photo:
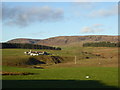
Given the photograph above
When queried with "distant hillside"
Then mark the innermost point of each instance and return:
(66, 40)
(24, 40)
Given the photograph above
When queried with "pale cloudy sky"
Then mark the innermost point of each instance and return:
(40, 20)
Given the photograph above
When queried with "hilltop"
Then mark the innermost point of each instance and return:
(66, 40)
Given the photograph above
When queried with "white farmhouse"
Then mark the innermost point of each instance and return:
(36, 53)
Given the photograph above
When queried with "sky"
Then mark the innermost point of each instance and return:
(41, 20)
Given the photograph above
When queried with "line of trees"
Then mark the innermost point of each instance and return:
(27, 46)
(102, 44)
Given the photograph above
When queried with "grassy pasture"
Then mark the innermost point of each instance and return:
(103, 72)
(108, 76)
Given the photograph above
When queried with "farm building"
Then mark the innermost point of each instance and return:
(36, 53)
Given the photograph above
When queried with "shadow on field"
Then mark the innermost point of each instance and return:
(6, 84)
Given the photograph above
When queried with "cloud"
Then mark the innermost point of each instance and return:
(93, 10)
(23, 16)
(97, 25)
(92, 29)
(78, 9)
(105, 12)
(87, 30)
(83, 5)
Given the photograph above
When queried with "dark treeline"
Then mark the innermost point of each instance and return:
(27, 46)
(101, 44)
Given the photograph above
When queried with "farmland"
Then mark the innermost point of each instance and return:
(99, 63)
(59, 44)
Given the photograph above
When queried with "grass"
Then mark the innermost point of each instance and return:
(65, 74)
(106, 75)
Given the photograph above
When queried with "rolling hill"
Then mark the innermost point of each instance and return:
(66, 40)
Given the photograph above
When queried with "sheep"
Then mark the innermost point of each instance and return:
(25, 52)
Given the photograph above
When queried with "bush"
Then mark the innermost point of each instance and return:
(101, 44)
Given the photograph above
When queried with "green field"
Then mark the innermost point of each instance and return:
(102, 72)
(99, 77)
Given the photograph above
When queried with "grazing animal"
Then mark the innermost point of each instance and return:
(87, 77)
